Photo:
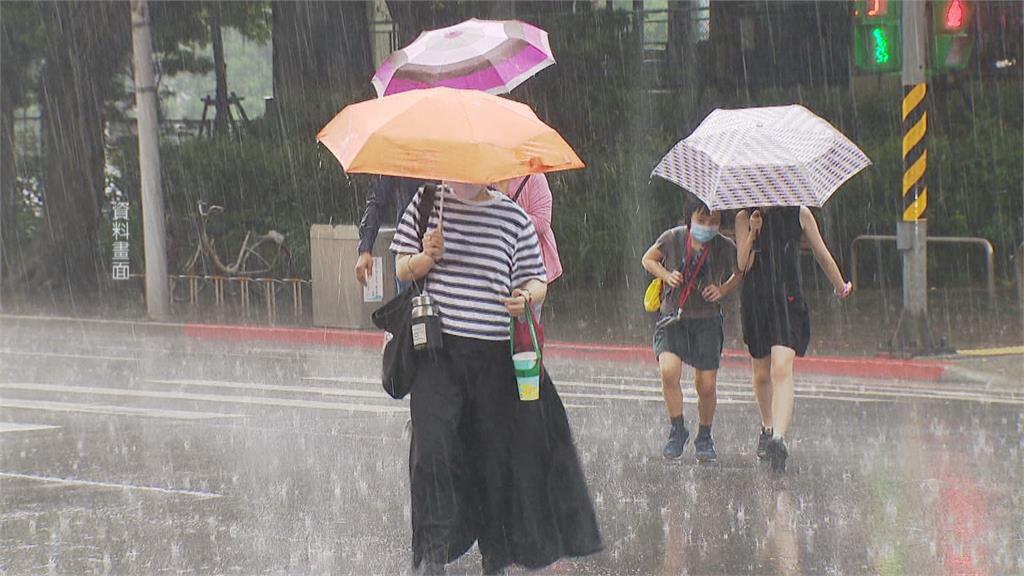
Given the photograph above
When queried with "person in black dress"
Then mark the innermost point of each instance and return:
(776, 324)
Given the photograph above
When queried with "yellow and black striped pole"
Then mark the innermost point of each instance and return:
(913, 332)
(915, 152)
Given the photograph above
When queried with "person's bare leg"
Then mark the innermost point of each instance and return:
(761, 378)
(671, 371)
(707, 397)
(782, 389)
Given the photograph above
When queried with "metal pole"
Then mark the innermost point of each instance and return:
(913, 333)
(157, 298)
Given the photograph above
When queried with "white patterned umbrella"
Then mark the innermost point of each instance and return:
(494, 56)
(772, 156)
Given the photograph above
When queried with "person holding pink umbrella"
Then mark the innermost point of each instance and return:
(533, 195)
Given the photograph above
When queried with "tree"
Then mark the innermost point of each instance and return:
(20, 32)
(86, 45)
(322, 60)
(182, 28)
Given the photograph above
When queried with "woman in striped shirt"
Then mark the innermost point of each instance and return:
(482, 265)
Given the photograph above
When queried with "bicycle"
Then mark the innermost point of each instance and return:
(259, 256)
(266, 249)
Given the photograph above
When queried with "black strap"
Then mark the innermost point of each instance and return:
(515, 197)
(426, 207)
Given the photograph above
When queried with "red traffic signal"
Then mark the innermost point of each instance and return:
(954, 16)
(952, 39)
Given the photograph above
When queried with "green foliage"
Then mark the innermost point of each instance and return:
(263, 184)
(23, 45)
(606, 215)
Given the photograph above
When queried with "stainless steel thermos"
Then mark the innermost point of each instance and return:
(426, 324)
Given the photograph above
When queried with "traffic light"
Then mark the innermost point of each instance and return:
(953, 42)
(876, 35)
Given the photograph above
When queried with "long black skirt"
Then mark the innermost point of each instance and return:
(485, 466)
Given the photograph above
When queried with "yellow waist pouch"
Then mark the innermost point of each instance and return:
(652, 298)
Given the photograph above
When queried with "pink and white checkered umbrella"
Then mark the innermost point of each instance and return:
(489, 55)
(772, 156)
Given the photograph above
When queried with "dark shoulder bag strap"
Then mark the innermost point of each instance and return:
(426, 207)
(515, 197)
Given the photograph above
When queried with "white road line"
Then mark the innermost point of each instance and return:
(623, 387)
(904, 391)
(344, 379)
(639, 397)
(76, 482)
(75, 356)
(15, 427)
(279, 402)
(936, 395)
(842, 398)
(117, 410)
(723, 396)
(275, 388)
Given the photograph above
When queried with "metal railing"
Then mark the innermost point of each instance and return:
(245, 285)
(990, 258)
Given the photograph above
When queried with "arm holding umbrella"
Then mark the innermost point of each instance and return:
(411, 267)
(822, 255)
(748, 226)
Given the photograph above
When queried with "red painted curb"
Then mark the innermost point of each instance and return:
(884, 368)
(325, 336)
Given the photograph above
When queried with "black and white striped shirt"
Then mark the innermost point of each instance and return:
(490, 247)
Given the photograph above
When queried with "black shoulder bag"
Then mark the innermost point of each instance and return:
(394, 317)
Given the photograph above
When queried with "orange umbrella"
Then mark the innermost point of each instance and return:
(446, 134)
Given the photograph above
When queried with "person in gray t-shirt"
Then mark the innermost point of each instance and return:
(697, 267)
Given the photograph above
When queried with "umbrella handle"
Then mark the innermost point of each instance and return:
(440, 210)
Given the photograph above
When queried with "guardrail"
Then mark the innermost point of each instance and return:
(269, 287)
(990, 258)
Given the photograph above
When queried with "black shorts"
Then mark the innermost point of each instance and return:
(767, 324)
(696, 341)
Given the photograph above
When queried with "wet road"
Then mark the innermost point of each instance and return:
(128, 454)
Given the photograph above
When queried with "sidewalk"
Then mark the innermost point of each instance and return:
(974, 366)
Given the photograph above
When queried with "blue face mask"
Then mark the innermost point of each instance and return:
(703, 234)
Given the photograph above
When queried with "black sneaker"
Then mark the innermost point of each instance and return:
(762, 443)
(777, 454)
(704, 446)
(677, 438)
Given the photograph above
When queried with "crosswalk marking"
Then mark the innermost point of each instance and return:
(275, 388)
(94, 483)
(277, 402)
(639, 397)
(344, 379)
(902, 390)
(63, 355)
(48, 406)
(16, 427)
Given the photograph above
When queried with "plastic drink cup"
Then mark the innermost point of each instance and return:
(527, 366)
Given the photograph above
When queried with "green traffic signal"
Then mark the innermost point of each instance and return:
(881, 50)
(876, 35)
